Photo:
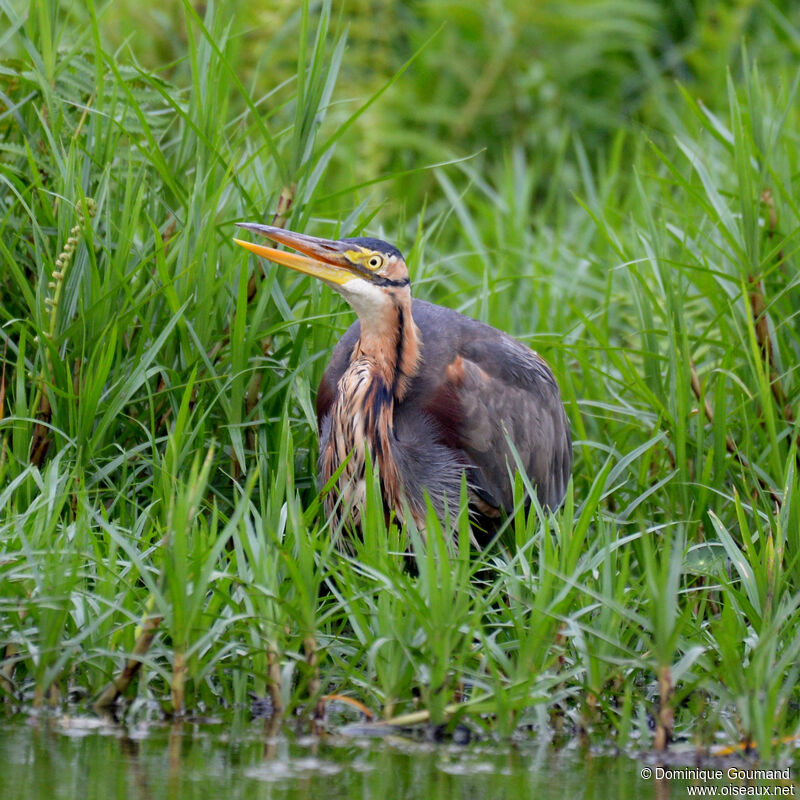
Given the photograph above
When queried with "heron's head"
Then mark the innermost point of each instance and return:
(370, 274)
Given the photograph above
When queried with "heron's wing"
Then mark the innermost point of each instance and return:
(497, 391)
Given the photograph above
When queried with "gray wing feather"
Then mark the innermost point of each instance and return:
(509, 397)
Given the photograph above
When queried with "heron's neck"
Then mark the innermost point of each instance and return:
(390, 343)
(382, 364)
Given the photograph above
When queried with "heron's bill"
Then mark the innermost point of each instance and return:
(322, 267)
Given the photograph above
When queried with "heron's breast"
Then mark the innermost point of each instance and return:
(360, 422)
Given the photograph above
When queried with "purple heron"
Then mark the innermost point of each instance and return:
(432, 395)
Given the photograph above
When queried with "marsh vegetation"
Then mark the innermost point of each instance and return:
(615, 184)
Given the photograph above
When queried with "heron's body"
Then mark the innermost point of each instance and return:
(427, 394)
(473, 385)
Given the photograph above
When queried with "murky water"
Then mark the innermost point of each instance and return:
(51, 760)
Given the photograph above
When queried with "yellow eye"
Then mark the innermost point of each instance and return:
(375, 262)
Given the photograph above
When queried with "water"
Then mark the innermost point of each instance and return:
(58, 759)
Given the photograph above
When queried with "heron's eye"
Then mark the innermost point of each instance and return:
(375, 262)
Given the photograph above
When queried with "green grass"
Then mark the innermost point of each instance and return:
(157, 433)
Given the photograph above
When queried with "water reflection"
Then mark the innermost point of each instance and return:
(50, 760)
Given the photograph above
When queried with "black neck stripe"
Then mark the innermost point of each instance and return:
(398, 357)
(380, 281)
